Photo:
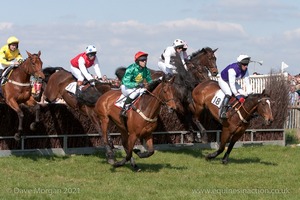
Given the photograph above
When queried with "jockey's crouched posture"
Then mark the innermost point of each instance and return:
(82, 62)
(228, 84)
(133, 79)
(10, 55)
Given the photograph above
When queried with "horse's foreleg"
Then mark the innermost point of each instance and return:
(231, 145)
(20, 127)
(150, 148)
(226, 155)
(128, 144)
(37, 109)
(224, 139)
(202, 130)
(15, 106)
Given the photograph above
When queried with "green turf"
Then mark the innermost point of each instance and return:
(261, 172)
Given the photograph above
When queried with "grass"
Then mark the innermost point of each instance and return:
(292, 136)
(261, 172)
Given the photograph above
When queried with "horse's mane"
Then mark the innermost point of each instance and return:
(154, 84)
(48, 71)
(196, 53)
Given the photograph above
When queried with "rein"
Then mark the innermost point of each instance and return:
(158, 99)
(25, 71)
(248, 113)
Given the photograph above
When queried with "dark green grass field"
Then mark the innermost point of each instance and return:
(257, 172)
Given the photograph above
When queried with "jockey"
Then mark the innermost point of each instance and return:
(82, 62)
(228, 84)
(133, 79)
(10, 55)
(166, 60)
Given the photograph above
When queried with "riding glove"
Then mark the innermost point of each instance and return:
(140, 85)
(92, 82)
(241, 98)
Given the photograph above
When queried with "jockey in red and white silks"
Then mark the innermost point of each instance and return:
(82, 62)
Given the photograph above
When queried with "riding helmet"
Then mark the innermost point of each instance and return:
(12, 40)
(139, 55)
(90, 49)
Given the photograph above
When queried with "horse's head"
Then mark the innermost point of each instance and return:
(167, 92)
(33, 65)
(205, 58)
(264, 108)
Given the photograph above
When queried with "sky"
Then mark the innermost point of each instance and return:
(267, 31)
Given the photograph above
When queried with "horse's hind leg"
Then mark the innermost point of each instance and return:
(202, 130)
(110, 156)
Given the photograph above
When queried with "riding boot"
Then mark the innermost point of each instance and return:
(8, 69)
(224, 107)
(127, 104)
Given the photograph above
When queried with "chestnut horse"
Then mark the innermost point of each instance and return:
(238, 116)
(141, 120)
(55, 89)
(17, 88)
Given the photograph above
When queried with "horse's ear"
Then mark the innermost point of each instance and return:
(263, 92)
(215, 50)
(39, 53)
(29, 54)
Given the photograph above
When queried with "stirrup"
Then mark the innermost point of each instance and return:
(223, 115)
(123, 112)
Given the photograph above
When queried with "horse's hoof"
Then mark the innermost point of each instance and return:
(225, 162)
(137, 169)
(117, 164)
(136, 151)
(17, 137)
(208, 158)
(33, 126)
(111, 161)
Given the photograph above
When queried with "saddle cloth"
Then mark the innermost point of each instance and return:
(218, 98)
(71, 87)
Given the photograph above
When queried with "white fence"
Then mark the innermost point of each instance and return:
(258, 82)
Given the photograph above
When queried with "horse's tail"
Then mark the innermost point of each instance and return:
(120, 72)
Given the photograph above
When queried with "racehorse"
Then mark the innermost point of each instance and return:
(17, 88)
(203, 62)
(55, 89)
(141, 121)
(238, 116)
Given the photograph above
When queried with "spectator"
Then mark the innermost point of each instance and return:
(293, 96)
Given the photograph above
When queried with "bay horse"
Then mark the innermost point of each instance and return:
(203, 63)
(55, 89)
(141, 121)
(17, 88)
(238, 116)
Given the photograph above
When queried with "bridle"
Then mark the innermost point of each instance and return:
(163, 102)
(249, 113)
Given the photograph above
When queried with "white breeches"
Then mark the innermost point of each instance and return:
(226, 88)
(77, 73)
(166, 69)
(131, 92)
